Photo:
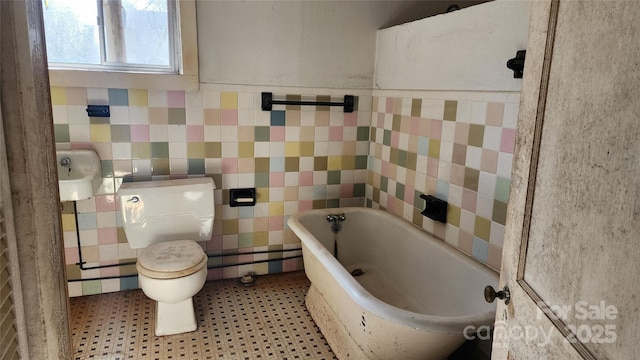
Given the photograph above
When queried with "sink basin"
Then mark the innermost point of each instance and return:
(79, 174)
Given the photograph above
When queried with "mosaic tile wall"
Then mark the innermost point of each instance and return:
(297, 158)
(457, 146)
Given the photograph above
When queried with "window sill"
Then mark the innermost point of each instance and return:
(121, 80)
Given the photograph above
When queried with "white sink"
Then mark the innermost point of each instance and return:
(79, 174)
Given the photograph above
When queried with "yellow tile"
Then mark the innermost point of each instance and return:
(68, 222)
(262, 195)
(58, 95)
(245, 149)
(138, 97)
(292, 149)
(229, 100)
(482, 228)
(348, 162)
(261, 238)
(334, 163)
(453, 215)
(229, 226)
(434, 148)
(276, 208)
(100, 133)
(195, 150)
(307, 148)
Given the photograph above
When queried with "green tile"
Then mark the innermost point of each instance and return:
(372, 137)
(361, 161)
(393, 156)
(416, 107)
(91, 287)
(160, 150)
(402, 158)
(245, 240)
(262, 133)
(386, 137)
(333, 203)
(450, 110)
(98, 120)
(107, 168)
(61, 132)
(160, 167)
(471, 178)
(212, 150)
(362, 133)
(195, 166)
(262, 180)
(376, 195)
(476, 135)
(412, 161)
(384, 183)
(502, 189)
(333, 177)
(359, 190)
(118, 97)
(499, 212)
(128, 283)
(177, 116)
(120, 133)
(400, 191)
(140, 150)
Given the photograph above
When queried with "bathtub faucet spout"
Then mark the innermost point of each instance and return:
(336, 219)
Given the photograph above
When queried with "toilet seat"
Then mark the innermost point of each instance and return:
(171, 259)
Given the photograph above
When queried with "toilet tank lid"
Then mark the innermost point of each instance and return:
(172, 256)
(133, 188)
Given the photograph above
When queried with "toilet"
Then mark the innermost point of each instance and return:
(165, 220)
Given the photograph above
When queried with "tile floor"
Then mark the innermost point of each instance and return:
(266, 321)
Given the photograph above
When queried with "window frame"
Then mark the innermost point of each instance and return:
(185, 79)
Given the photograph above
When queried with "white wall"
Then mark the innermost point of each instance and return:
(463, 50)
(297, 43)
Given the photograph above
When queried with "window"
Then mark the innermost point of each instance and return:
(122, 43)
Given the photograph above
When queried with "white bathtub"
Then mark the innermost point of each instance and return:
(415, 299)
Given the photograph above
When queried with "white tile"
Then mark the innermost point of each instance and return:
(492, 136)
(121, 151)
(505, 164)
(474, 157)
(487, 184)
(479, 112)
(119, 115)
(139, 115)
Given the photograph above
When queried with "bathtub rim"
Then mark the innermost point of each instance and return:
(442, 324)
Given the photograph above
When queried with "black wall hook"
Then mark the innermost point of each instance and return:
(517, 64)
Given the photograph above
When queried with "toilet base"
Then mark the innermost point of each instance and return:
(174, 319)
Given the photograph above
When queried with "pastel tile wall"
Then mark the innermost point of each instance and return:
(457, 146)
(297, 158)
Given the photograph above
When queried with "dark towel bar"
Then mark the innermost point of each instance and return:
(268, 102)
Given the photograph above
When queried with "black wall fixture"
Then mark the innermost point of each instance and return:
(517, 64)
(268, 102)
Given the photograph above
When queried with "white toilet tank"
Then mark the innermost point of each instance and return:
(156, 211)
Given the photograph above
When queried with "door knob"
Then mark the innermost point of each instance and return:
(490, 294)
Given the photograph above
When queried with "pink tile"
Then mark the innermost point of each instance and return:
(335, 133)
(107, 236)
(215, 244)
(291, 265)
(277, 133)
(389, 106)
(71, 255)
(139, 133)
(229, 116)
(195, 133)
(230, 166)
(109, 271)
(276, 179)
(469, 199)
(508, 140)
(351, 119)
(245, 258)
(305, 178)
(305, 205)
(380, 122)
(175, 99)
(414, 125)
(436, 129)
(346, 191)
(432, 167)
(105, 203)
(395, 139)
(409, 194)
(276, 222)
(214, 274)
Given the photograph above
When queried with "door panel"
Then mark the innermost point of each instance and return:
(573, 232)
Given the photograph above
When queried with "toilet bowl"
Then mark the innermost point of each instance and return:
(166, 219)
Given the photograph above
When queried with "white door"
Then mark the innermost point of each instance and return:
(572, 243)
